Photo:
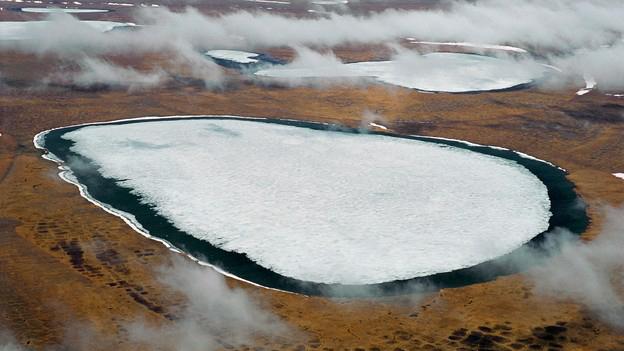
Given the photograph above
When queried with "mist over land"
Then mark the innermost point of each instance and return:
(75, 277)
(581, 38)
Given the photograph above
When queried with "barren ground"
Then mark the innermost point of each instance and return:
(64, 262)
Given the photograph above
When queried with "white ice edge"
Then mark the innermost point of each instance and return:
(66, 10)
(472, 45)
(67, 175)
(330, 2)
(552, 67)
(619, 175)
(271, 2)
(521, 154)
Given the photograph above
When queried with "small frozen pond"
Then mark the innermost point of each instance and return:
(24, 30)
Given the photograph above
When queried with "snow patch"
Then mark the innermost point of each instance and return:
(373, 124)
(233, 55)
(590, 84)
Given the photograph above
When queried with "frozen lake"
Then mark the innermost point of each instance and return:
(24, 30)
(285, 202)
(434, 72)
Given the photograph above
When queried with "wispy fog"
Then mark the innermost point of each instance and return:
(8, 343)
(95, 71)
(213, 317)
(583, 37)
(589, 273)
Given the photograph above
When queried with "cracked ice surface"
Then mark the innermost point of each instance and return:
(324, 206)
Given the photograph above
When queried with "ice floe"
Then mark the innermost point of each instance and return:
(55, 9)
(619, 175)
(23, 30)
(439, 72)
(324, 206)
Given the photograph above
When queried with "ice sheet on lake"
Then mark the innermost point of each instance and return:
(324, 206)
(233, 55)
(23, 30)
(441, 72)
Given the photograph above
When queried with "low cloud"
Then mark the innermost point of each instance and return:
(590, 273)
(580, 36)
(314, 69)
(214, 315)
(560, 25)
(8, 343)
(603, 64)
(307, 58)
(95, 71)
